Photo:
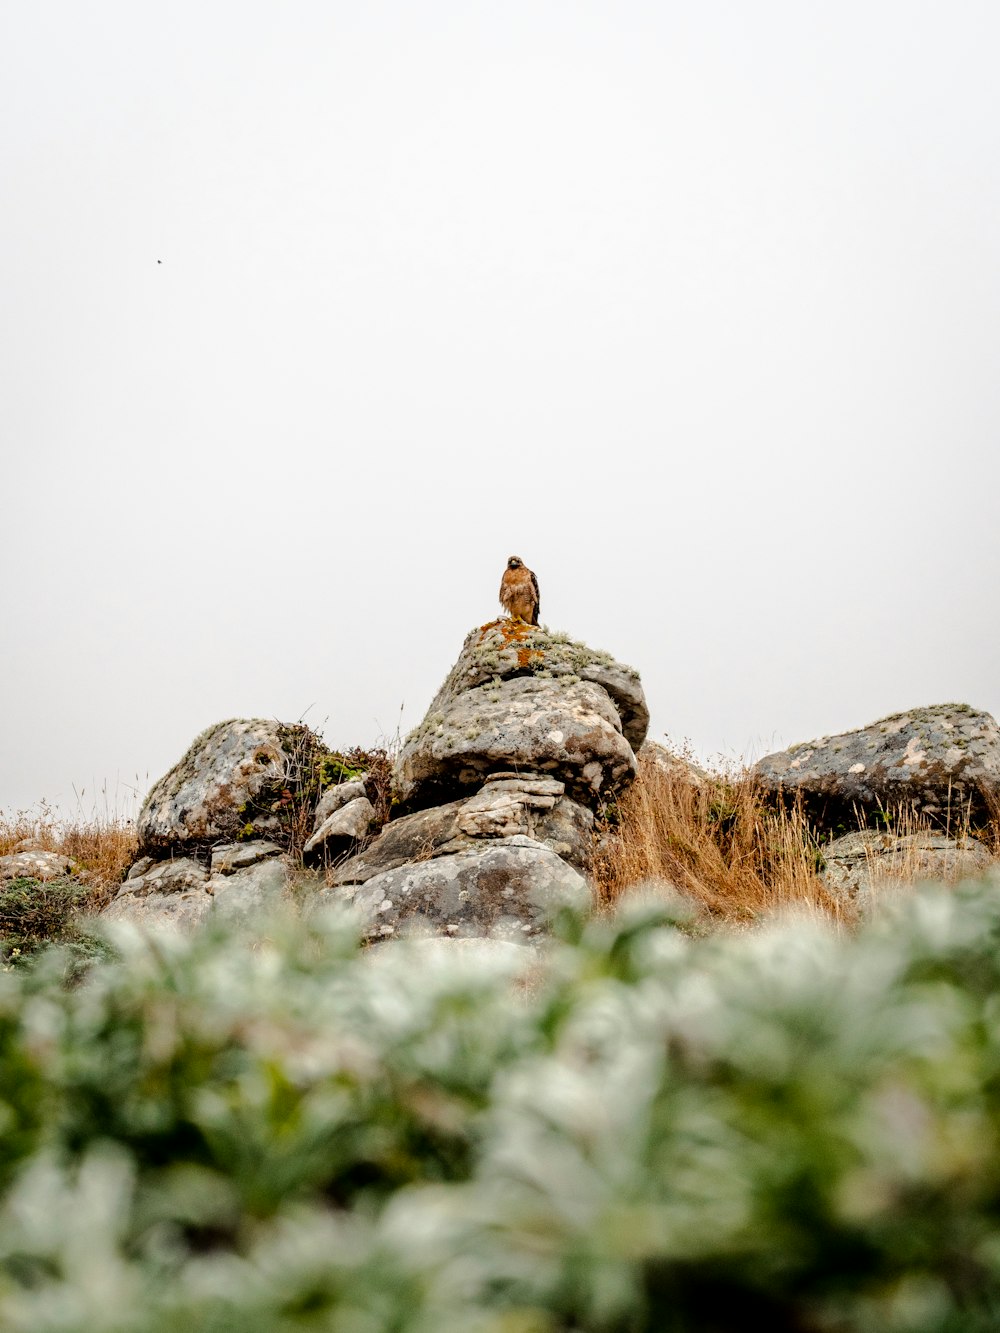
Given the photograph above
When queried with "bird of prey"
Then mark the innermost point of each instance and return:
(519, 591)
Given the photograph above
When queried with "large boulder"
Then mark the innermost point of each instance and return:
(941, 762)
(241, 778)
(860, 865)
(508, 890)
(520, 698)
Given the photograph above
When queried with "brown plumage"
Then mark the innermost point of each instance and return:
(519, 591)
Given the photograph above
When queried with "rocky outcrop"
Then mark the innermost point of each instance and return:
(236, 780)
(242, 881)
(941, 762)
(522, 699)
(495, 799)
(860, 865)
(506, 806)
(507, 890)
(529, 733)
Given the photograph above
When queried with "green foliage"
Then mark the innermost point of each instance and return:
(788, 1128)
(33, 913)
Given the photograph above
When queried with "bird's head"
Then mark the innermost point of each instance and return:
(515, 562)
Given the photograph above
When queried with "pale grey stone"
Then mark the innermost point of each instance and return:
(166, 877)
(567, 728)
(253, 892)
(942, 761)
(140, 867)
(348, 823)
(335, 797)
(173, 894)
(522, 699)
(228, 779)
(35, 865)
(565, 827)
(157, 911)
(233, 856)
(508, 889)
(861, 864)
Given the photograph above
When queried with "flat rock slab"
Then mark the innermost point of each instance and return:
(943, 762)
(508, 890)
(860, 864)
(228, 783)
(35, 865)
(246, 881)
(536, 808)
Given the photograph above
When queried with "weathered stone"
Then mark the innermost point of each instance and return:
(35, 865)
(943, 762)
(140, 867)
(233, 776)
(172, 876)
(672, 765)
(350, 823)
(858, 865)
(251, 893)
(556, 821)
(156, 911)
(233, 856)
(507, 889)
(521, 698)
(336, 797)
(172, 893)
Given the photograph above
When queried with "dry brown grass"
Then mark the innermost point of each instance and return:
(102, 847)
(718, 843)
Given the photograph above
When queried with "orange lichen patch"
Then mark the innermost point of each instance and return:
(511, 631)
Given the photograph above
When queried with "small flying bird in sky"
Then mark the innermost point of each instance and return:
(519, 591)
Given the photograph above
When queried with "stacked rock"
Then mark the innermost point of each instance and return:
(499, 784)
(215, 833)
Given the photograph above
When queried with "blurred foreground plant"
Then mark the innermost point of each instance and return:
(791, 1128)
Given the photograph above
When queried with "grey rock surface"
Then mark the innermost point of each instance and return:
(252, 892)
(172, 893)
(227, 780)
(158, 911)
(35, 865)
(508, 889)
(860, 864)
(523, 699)
(246, 881)
(233, 856)
(346, 824)
(505, 807)
(336, 797)
(942, 761)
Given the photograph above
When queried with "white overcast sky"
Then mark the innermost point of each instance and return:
(694, 306)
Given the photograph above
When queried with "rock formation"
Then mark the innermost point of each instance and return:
(941, 763)
(495, 799)
(529, 733)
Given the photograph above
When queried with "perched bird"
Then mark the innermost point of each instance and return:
(519, 591)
